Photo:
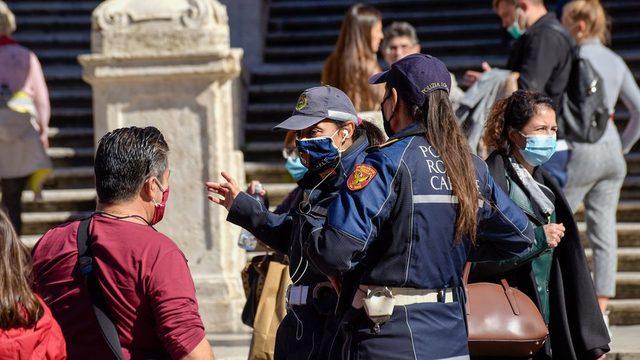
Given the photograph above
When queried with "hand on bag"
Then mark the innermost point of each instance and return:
(251, 188)
(554, 234)
(228, 190)
(602, 357)
(470, 77)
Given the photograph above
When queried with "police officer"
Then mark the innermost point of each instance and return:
(407, 219)
(330, 140)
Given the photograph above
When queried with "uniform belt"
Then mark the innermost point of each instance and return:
(304, 294)
(408, 296)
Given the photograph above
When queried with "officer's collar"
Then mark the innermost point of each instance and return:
(415, 128)
(357, 147)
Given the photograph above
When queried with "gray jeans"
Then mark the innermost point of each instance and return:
(595, 175)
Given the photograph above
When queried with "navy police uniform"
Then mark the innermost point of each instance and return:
(311, 299)
(398, 225)
(302, 330)
(394, 224)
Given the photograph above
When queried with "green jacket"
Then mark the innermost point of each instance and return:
(540, 255)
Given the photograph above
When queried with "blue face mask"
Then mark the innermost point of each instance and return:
(318, 153)
(295, 168)
(539, 149)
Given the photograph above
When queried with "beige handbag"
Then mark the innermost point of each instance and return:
(270, 312)
(502, 321)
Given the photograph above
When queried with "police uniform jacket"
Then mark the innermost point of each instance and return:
(396, 217)
(286, 232)
(393, 224)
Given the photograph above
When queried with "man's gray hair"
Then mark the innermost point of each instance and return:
(399, 29)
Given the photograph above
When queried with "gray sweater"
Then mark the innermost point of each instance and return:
(618, 82)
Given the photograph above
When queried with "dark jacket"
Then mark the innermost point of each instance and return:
(542, 56)
(577, 330)
(394, 223)
(285, 232)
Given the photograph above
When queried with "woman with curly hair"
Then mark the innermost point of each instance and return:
(522, 130)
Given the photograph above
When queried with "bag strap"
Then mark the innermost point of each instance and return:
(508, 291)
(85, 267)
(465, 281)
(575, 48)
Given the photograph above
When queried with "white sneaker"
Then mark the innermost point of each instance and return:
(605, 316)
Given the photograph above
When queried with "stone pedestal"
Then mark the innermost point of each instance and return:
(168, 63)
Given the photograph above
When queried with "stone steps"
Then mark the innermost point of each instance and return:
(628, 285)
(628, 259)
(59, 21)
(59, 39)
(426, 33)
(624, 311)
(628, 234)
(315, 52)
(320, 52)
(462, 33)
(60, 200)
(58, 31)
(73, 177)
(328, 15)
(267, 172)
(71, 137)
(26, 8)
(41, 222)
(628, 211)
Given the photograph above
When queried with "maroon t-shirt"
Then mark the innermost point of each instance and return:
(145, 281)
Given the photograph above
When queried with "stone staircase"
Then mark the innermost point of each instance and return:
(300, 36)
(58, 31)
(463, 33)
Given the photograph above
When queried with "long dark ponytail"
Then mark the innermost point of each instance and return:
(444, 134)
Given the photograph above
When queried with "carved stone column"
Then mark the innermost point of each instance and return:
(168, 63)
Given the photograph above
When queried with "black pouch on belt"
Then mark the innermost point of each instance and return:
(325, 298)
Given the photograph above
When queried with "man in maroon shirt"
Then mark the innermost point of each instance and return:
(142, 274)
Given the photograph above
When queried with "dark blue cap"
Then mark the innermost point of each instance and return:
(415, 76)
(317, 104)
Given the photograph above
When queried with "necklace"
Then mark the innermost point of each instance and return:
(122, 217)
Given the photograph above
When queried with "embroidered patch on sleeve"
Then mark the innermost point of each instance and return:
(361, 177)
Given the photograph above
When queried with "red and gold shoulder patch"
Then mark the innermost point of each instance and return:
(361, 177)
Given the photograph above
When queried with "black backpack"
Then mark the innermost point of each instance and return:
(583, 113)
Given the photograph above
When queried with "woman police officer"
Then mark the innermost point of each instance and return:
(330, 140)
(408, 218)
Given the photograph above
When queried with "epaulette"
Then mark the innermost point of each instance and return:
(383, 145)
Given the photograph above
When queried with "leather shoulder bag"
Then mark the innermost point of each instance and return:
(502, 321)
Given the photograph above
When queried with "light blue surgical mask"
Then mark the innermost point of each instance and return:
(295, 168)
(515, 30)
(539, 149)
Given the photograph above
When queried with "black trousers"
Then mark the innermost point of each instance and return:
(12, 199)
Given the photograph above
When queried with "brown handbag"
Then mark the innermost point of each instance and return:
(502, 321)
